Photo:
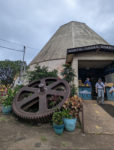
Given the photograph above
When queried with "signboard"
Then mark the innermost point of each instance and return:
(85, 92)
(88, 48)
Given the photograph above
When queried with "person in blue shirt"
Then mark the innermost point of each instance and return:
(87, 82)
(112, 90)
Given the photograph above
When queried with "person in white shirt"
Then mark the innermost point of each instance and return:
(100, 90)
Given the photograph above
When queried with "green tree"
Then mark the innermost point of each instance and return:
(39, 73)
(9, 70)
(68, 72)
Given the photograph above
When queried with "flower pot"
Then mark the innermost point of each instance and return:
(6, 110)
(70, 124)
(58, 128)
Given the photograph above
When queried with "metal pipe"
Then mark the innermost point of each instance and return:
(83, 121)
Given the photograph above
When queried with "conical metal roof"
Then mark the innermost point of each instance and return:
(70, 35)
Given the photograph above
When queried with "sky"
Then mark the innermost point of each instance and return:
(32, 23)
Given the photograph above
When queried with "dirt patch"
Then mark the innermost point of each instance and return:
(17, 135)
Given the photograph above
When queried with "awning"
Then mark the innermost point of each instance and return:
(99, 47)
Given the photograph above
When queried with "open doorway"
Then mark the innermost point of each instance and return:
(93, 70)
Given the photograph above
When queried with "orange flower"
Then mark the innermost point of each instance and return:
(61, 70)
(67, 64)
(64, 76)
(59, 78)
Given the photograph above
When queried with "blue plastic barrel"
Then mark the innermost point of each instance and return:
(58, 128)
(110, 96)
(6, 110)
(85, 96)
(70, 124)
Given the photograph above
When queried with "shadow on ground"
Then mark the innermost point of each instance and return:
(109, 109)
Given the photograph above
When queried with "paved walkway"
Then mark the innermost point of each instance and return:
(98, 118)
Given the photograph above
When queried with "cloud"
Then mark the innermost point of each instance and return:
(32, 23)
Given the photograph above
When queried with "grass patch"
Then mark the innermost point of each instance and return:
(3, 119)
(64, 144)
(27, 124)
(43, 138)
(77, 147)
(97, 133)
(56, 136)
(79, 126)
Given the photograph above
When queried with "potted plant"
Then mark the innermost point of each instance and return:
(7, 102)
(58, 122)
(70, 112)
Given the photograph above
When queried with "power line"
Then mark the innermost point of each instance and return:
(17, 44)
(11, 49)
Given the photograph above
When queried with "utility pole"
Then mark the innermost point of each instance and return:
(23, 54)
(22, 66)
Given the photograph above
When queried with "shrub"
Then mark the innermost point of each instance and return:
(68, 72)
(73, 105)
(9, 71)
(7, 100)
(57, 118)
(39, 73)
(18, 87)
(73, 89)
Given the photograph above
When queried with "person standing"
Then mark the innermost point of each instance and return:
(100, 90)
(87, 82)
(112, 89)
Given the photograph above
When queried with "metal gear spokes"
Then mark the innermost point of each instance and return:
(32, 103)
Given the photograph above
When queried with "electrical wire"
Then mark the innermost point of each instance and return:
(18, 44)
(12, 49)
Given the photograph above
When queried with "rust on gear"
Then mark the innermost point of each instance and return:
(31, 103)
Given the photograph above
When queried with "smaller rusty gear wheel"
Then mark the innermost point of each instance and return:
(36, 95)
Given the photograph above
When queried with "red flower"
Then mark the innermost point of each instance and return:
(67, 64)
(59, 78)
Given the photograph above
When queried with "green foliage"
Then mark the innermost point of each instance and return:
(64, 144)
(79, 126)
(73, 90)
(68, 72)
(7, 100)
(55, 109)
(18, 87)
(43, 138)
(39, 73)
(52, 104)
(30, 94)
(54, 99)
(57, 118)
(73, 105)
(9, 70)
(65, 114)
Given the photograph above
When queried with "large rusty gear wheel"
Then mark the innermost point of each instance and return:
(37, 94)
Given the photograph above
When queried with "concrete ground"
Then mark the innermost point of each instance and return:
(15, 135)
(98, 118)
